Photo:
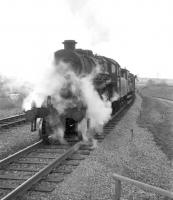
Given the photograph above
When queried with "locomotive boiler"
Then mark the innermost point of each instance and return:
(110, 81)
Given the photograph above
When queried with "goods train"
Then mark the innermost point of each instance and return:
(112, 82)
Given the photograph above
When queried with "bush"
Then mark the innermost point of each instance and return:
(162, 83)
(150, 82)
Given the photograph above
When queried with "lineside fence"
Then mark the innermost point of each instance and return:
(146, 187)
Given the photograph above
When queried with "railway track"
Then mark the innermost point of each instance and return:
(164, 99)
(12, 121)
(41, 167)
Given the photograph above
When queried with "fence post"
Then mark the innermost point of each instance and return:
(132, 134)
(117, 190)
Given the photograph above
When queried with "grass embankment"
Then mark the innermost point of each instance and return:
(163, 91)
(157, 117)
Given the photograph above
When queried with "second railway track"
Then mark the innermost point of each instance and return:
(40, 167)
(12, 121)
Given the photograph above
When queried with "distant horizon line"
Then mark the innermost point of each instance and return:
(155, 78)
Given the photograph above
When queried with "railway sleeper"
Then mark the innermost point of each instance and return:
(76, 156)
(58, 151)
(10, 185)
(43, 187)
(86, 147)
(62, 146)
(53, 179)
(62, 171)
(71, 162)
(24, 169)
(84, 152)
(12, 177)
(33, 162)
(38, 187)
(42, 156)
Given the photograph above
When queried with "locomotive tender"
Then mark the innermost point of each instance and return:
(112, 82)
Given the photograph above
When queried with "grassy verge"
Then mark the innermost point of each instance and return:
(157, 118)
(158, 91)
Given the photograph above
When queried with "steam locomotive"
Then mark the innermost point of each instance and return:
(111, 81)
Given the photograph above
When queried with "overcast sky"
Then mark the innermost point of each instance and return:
(136, 33)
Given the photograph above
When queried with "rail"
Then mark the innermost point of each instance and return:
(12, 117)
(162, 98)
(146, 187)
(12, 120)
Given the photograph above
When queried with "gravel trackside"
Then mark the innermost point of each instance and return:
(136, 156)
(16, 138)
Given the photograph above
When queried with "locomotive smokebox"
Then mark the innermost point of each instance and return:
(69, 44)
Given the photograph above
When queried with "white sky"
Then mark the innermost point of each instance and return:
(136, 33)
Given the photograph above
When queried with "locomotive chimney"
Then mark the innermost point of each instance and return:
(69, 44)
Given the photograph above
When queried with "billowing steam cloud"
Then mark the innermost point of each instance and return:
(98, 110)
(58, 83)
